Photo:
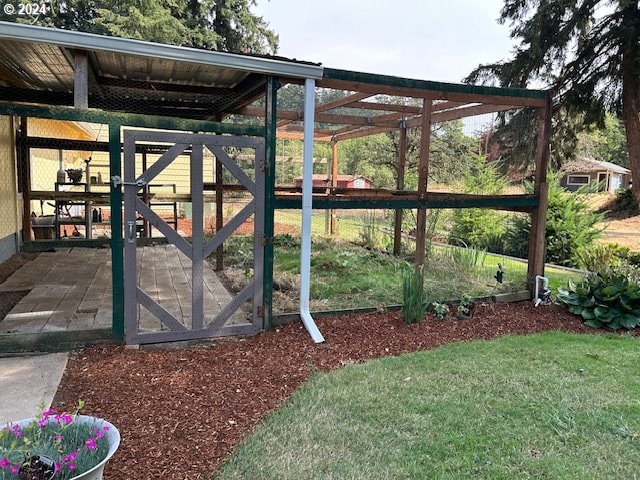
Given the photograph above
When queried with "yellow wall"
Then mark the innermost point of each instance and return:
(45, 162)
(10, 206)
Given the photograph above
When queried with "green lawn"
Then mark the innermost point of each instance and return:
(548, 406)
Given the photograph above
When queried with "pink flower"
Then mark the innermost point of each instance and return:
(45, 416)
(14, 469)
(91, 444)
(4, 463)
(99, 434)
(56, 467)
(58, 438)
(16, 430)
(72, 466)
(64, 417)
(69, 458)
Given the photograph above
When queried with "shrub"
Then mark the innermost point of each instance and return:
(476, 227)
(604, 299)
(597, 258)
(414, 305)
(623, 205)
(571, 226)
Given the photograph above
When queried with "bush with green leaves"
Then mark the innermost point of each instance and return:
(477, 227)
(414, 305)
(604, 299)
(624, 205)
(571, 226)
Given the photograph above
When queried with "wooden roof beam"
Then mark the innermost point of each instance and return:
(363, 132)
(323, 107)
(388, 120)
(374, 89)
(387, 107)
(300, 136)
(459, 113)
(299, 128)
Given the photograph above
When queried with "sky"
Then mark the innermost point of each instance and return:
(441, 40)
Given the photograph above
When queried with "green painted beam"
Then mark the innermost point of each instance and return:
(269, 200)
(128, 119)
(391, 81)
(515, 202)
(117, 244)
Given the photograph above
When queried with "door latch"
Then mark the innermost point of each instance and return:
(117, 181)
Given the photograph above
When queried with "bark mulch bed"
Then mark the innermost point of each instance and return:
(181, 412)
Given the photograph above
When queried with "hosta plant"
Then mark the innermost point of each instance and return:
(604, 299)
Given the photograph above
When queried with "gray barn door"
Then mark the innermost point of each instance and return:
(198, 321)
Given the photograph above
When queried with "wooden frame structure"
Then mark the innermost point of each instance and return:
(440, 102)
(226, 84)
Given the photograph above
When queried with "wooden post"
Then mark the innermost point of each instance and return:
(25, 162)
(81, 79)
(219, 214)
(402, 160)
(334, 182)
(423, 174)
(536, 256)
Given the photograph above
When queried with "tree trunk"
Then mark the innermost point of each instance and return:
(631, 97)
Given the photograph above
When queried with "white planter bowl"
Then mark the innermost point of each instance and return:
(112, 435)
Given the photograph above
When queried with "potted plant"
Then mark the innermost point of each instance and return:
(58, 446)
(74, 174)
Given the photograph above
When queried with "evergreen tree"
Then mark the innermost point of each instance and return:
(608, 143)
(224, 25)
(571, 226)
(587, 51)
(479, 227)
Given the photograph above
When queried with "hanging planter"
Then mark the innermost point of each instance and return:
(57, 446)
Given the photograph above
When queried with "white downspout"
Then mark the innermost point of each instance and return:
(307, 190)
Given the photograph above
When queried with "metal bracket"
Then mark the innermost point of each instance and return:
(117, 181)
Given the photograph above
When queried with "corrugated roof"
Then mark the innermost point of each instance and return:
(37, 66)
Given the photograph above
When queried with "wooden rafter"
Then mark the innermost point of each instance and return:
(388, 120)
(363, 132)
(374, 89)
(329, 106)
(459, 113)
(387, 107)
(300, 128)
(300, 136)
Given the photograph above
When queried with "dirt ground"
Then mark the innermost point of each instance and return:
(181, 412)
(624, 232)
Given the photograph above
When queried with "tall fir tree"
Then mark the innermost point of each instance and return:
(588, 52)
(224, 25)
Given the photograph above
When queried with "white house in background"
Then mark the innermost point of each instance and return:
(586, 171)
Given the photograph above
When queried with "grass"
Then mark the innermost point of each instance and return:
(344, 275)
(552, 405)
